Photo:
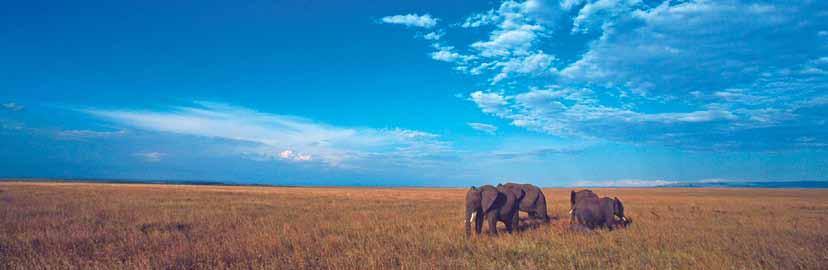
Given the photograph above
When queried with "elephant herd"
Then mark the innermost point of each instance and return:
(502, 203)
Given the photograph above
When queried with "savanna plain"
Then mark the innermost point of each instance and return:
(142, 226)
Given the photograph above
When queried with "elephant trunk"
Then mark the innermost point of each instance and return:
(470, 217)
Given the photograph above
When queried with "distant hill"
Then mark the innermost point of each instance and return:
(122, 181)
(737, 184)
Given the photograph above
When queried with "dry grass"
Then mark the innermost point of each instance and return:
(103, 226)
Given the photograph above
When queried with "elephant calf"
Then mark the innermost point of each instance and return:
(593, 212)
(493, 204)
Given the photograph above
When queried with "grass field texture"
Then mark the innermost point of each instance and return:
(117, 226)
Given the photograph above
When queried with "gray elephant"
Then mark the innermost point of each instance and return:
(584, 194)
(493, 204)
(592, 212)
(532, 201)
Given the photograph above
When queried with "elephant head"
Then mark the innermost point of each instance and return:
(478, 201)
(618, 212)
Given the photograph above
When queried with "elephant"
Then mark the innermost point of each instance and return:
(493, 204)
(574, 197)
(593, 212)
(532, 201)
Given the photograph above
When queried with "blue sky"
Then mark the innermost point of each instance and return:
(557, 93)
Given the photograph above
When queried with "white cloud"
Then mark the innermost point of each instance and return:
(291, 155)
(595, 13)
(481, 19)
(574, 112)
(510, 46)
(12, 106)
(445, 55)
(623, 183)
(489, 102)
(413, 20)
(150, 156)
(85, 134)
(487, 128)
(509, 42)
(433, 36)
(700, 75)
(536, 64)
(666, 51)
(270, 135)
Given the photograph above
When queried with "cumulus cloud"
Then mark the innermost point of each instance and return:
(511, 47)
(594, 13)
(291, 155)
(481, 19)
(488, 101)
(534, 64)
(487, 128)
(411, 20)
(699, 75)
(280, 137)
(445, 55)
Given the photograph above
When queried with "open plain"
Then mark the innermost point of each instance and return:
(142, 226)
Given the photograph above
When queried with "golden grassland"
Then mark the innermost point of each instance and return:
(117, 226)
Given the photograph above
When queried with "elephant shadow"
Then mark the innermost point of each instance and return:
(527, 223)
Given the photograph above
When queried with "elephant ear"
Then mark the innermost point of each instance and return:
(489, 198)
(572, 197)
(522, 194)
(619, 207)
(519, 193)
(531, 194)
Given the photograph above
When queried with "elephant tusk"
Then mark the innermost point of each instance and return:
(571, 210)
(472, 216)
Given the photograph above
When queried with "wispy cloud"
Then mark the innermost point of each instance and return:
(281, 137)
(623, 183)
(487, 128)
(539, 153)
(413, 20)
(12, 106)
(649, 76)
(150, 156)
(434, 36)
(86, 134)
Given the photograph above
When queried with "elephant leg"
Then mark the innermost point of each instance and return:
(609, 221)
(492, 224)
(478, 223)
(511, 223)
(542, 213)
